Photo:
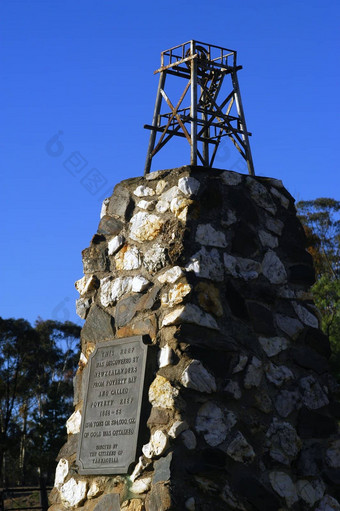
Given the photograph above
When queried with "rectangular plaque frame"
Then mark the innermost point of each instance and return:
(112, 406)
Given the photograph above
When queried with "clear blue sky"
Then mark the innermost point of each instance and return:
(85, 68)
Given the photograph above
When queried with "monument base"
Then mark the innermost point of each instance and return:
(210, 268)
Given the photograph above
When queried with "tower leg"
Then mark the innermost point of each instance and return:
(156, 112)
(244, 134)
(193, 107)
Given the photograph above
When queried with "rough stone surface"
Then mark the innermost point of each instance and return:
(162, 394)
(128, 258)
(213, 423)
(115, 244)
(98, 326)
(73, 492)
(273, 269)
(189, 439)
(284, 486)
(73, 423)
(273, 345)
(190, 314)
(254, 374)
(61, 472)
(206, 264)
(109, 502)
(170, 276)
(240, 450)
(283, 441)
(239, 408)
(198, 378)
(145, 227)
(207, 235)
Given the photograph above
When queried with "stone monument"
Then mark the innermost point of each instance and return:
(203, 381)
(209, 270)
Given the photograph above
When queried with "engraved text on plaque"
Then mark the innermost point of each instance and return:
(112, 405)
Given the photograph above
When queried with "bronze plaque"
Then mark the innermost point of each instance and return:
(112, 405)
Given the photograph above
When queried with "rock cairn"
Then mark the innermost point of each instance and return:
(212, 266)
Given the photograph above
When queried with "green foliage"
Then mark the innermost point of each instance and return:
(37, 365)
(321, 221)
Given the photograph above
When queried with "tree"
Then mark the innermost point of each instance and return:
(321, 221)
(36, 369)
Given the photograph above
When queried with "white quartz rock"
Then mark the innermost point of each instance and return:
(273, 268)
(165, 356)
(73, 423)
(305, 316)
(233, 388)
(177, 428)
(61, 472)
(146, 205)
(284, 441)
(310, 491)
(229, 219)
(190, 504)
(188, 185)
(139, 468)
(207, 264)
(145, 226)
(261, 196)
(190, 313)
(170, 276)
(189, 440)
(231, 178)
(290, 326)
(196, 377)
(268, 240)
(157, 445)
(155, 258)
(207, 235)
(287, 401)
(105, 291)
(115, 244)
(241, 364)
(129, 258)
(160, 186)
(254, 374)
(73, 492)
(284, 201)
(312, 394)
(176, 294)
(141, 485)
(162, 394)
(328, 503)
(214, 423)
(274, 225)
(139, 283)
(94, 489)
(240, 450)
(239, 267)
(284, 486)
(105, 204)
(86, 284)
(162, 206)
(119, 287)
(273, 345)
(333, 454)
(144, 191)
(278, 374)
(170, 194)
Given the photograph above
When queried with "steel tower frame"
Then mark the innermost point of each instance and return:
(208, 118)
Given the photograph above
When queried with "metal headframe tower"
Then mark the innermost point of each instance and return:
(212, 113)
